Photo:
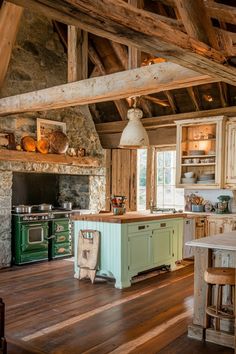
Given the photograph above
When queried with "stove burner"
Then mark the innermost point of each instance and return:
(42, 215)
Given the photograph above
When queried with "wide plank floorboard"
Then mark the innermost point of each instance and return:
(48, 311)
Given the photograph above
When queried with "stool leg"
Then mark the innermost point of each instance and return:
(208, 301)
(218, 305)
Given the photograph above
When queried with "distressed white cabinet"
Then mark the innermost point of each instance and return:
(230, 151)
(200, 144)
(219, 225)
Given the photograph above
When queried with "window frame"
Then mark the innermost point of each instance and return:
(163, 149)
(151, 174)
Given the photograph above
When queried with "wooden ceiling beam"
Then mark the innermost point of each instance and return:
(121, 22)
(223, 89)
(72, 54)
(121, 105)
(221, 12)
(141, 81)
(121, 53)
(146, 107)
(163, 103)
(196, 21)
(194, 95)
(172, 102)
(155, 122)
(10, 16)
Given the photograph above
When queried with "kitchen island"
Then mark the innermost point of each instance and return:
(213, 251)
(132, 243)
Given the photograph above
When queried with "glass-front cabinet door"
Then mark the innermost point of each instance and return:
(200, 153)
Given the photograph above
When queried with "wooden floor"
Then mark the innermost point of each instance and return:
(48, 311)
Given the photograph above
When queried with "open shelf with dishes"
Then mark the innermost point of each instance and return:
(199, 153)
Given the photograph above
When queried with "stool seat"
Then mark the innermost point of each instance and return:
(218, 306)
(220, 276)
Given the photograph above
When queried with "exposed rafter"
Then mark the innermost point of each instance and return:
(119, 21)
(10, 16)
(155, 122)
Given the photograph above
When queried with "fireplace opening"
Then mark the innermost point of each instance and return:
(37, 188)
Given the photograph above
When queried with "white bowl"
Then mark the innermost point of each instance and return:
(189, 180)
(188, 174)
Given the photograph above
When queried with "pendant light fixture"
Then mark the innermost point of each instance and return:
(134, 135)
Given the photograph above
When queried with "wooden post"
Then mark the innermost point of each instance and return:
(10, 16)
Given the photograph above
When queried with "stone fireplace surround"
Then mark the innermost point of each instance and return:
(91, 187)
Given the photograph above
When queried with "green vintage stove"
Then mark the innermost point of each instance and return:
(40, 236)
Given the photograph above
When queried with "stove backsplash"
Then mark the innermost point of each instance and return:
(74, 189)
(31, 189)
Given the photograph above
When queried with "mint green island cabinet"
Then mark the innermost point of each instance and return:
(132, 243)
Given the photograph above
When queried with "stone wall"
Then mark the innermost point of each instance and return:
(5, 218)
(39, 61)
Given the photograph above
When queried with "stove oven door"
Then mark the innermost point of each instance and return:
(34, 237)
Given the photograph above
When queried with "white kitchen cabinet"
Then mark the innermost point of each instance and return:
(219, 225)
(200, 150)
(230, 151)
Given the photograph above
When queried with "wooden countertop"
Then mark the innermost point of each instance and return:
(226, 241)
(126, 218)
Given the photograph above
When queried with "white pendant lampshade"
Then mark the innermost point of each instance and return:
(134, 136)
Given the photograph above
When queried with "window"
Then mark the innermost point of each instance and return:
(141, 179)
(167, 196)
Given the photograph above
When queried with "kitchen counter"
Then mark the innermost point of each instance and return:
(226, 241)
(129, 217)
(212, 251)
(194, 213)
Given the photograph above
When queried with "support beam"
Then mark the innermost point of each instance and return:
(134, 55)
(82, 54)
(196, 21)
(193, 93)
(221, 12)
(223, 89)
(121, 105)
(121, 53)
(72, 54)
(77, 49)
(163, 103)
(171, 100)
(10, 16)
(155, 122)
(141, 81)
(121, 22)
(146, 107)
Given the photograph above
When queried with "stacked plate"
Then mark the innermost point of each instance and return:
(206, 178)
(189, 180)
(196, 152)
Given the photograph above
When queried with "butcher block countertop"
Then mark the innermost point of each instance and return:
(126, 218)
(226, 241)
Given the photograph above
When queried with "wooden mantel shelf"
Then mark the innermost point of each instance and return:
(35, 157)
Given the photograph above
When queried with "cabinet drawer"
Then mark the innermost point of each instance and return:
(61, 237)
(61, 225)
(62, 249)
(140, 227)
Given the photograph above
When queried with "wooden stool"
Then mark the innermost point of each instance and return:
(219, 277)
(88, 247)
